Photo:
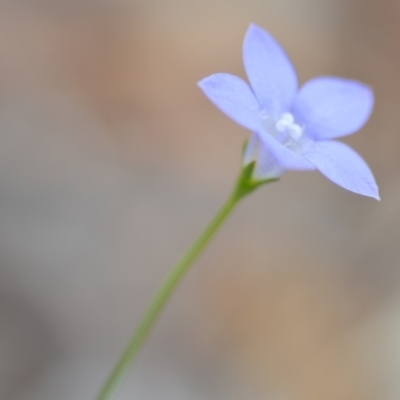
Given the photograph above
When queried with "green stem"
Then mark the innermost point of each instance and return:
(243, 187)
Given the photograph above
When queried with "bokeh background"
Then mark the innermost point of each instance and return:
(112, 161)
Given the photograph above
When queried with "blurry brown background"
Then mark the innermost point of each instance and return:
(112, 161)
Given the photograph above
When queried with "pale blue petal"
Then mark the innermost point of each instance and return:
(331, 107)
(286, 158)
(234, 97)
(270, 71)
(251, 151)
(266, 166)
(343, 166)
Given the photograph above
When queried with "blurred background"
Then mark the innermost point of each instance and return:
(111, 163)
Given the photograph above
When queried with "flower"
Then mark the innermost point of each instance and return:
(293, 129)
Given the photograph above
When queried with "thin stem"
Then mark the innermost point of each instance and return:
(244, 186)
(162, 298)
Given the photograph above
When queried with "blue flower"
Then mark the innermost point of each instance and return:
(293, 129)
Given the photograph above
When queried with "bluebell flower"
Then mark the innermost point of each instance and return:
(293, 129)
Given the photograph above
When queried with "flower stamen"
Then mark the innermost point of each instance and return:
(286, 124)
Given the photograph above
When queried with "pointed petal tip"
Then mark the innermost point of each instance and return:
(343, 166)
(254, 26)
(210, 80)
(202, 82)
(373, 193)
(370, 188)
(376, 196)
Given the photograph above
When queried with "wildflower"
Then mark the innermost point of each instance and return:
(293, 129)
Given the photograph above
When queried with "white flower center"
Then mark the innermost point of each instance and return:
(285, 130)
(287, 125)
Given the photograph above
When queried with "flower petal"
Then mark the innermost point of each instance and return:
(234, 97)
(270, 72)
(331, 107)
(343, 166)
(286, 158)
(266, 166)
